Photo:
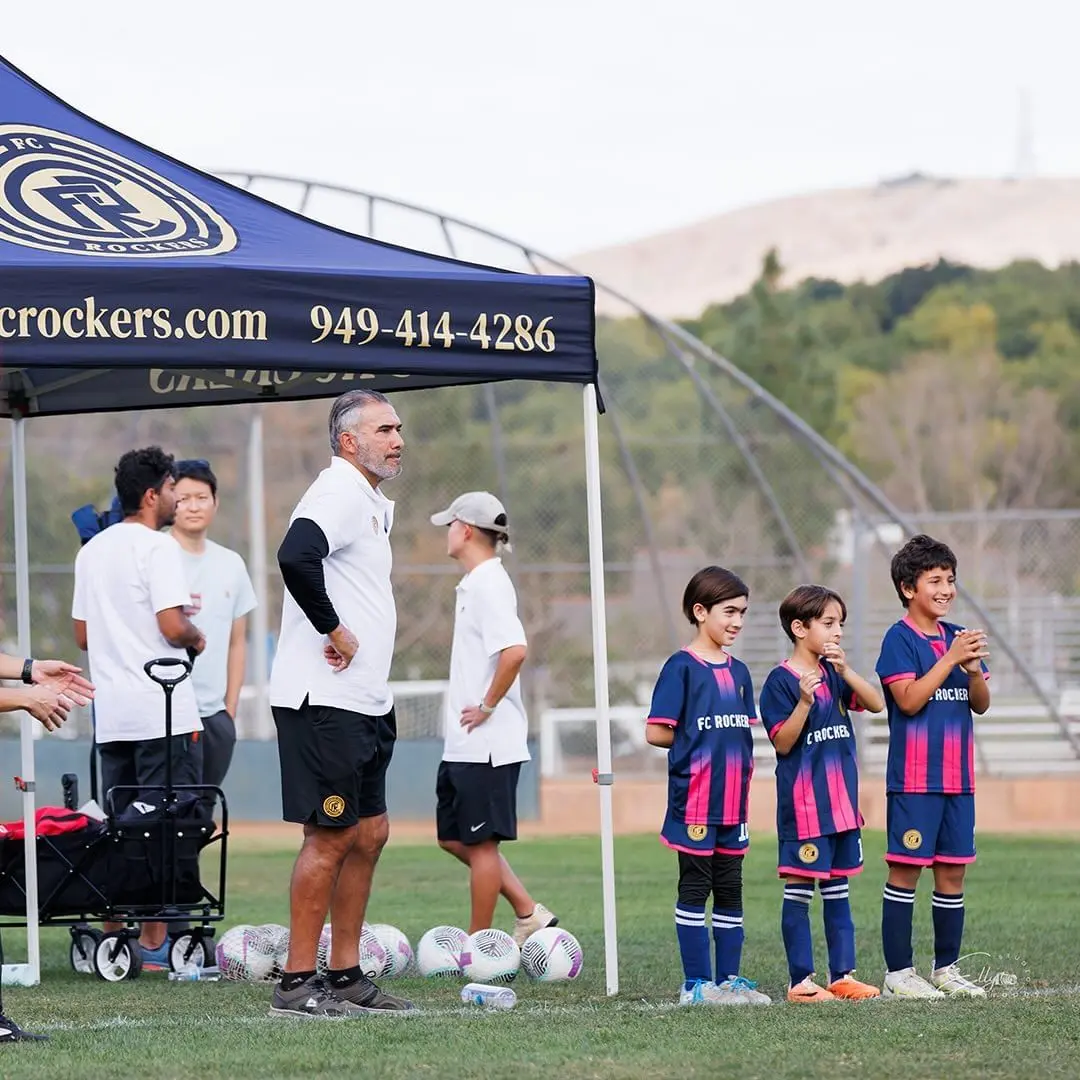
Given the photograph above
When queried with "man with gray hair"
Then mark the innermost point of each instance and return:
(329, 689)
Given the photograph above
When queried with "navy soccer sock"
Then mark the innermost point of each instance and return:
(727, 932)
(948, 928)
(795, 925)
(897, 909)
(693, 943)
(839, 927)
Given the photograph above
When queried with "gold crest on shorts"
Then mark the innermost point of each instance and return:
(696, 832)
(333, 806)
(808, 853)
(912, 839)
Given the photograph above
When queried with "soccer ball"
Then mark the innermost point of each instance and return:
(397, 948)
(371, 955)
(552, 955)
(492, 957)
(322, 955)
(438, 953)
(375, 961)
(278, 943)
(246, 953)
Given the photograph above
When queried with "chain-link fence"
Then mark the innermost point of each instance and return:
(696, 466)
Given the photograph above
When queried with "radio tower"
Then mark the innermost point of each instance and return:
(1024, 165)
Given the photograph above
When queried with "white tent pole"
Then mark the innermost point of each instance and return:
(30, 973)
(605, 778)
(257, 554)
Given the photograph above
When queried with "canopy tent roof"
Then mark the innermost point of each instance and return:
(131, 280)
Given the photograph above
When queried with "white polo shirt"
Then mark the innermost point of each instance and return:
(356, 520)
(485, 622)
(123, 577)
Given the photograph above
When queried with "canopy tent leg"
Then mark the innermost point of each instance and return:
(260, 625)
(600, 680)
(27, 974)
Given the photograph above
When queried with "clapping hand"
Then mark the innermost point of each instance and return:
(808, 683)
(47, 706)
(968, 650)
(62, 679)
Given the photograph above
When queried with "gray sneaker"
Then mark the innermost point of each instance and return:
(312, 1000)
(367, 997)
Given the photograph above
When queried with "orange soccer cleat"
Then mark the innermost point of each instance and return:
(852, 989)
(809, 992)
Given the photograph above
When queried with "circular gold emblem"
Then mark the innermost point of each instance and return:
(333, 806)
(912, 839)
(696, 832)
(808, 853)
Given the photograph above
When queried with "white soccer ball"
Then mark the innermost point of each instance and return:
(552, 955)
(278, 942)
(375, 961)
(492, 956)
(246, 953)
(397, 948)
(438, 953)
(322, 955)
(371, 954)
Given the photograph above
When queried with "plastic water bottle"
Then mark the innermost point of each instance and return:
(194, 973)
(491, 997)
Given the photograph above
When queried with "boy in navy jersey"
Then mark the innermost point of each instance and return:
(934, 679)
(702, 708)
(804, 705)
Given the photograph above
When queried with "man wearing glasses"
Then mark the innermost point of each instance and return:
(221, 598)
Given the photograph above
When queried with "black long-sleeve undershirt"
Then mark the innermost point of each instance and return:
(300, 558)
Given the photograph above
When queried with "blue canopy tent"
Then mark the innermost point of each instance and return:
(129, 280)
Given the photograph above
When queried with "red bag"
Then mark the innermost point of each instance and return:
(48, 821)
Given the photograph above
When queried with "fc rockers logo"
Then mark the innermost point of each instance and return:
(59, 193)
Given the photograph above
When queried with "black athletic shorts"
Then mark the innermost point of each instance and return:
(142, 762)
(333, 763)
(476, 801)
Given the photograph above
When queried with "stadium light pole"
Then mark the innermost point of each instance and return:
(604, 776)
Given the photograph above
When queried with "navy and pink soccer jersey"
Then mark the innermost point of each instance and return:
(934, 750)
(817, 781)
(711, 707)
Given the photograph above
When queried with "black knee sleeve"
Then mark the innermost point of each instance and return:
(695, 879)
(727, 882)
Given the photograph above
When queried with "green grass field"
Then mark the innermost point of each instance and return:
(1022, 918)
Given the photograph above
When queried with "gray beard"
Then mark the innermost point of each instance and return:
(377, 466)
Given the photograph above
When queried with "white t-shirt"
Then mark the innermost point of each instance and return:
(123, 577)
(221, 592)
(356, 520)
(485, 622)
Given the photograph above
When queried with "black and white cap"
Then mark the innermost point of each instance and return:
(478, 508)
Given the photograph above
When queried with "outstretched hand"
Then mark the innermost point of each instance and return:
(63, 678)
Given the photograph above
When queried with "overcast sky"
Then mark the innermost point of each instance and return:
(570, 124)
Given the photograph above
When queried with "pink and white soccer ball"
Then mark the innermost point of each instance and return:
(493, 957)
(440, 953)
(375, 961)
(371, 955)
(552, 955)
(246, 953)
(397, 948)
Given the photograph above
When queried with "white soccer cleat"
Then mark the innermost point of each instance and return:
(746, 989)
(525, 927)
(951, 983)
(708, 993)
(907, 983)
